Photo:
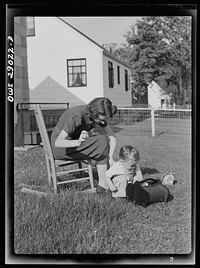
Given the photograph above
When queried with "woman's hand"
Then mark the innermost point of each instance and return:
(94, 133)
(84, 135)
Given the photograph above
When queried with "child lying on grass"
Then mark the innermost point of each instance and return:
(125, 171)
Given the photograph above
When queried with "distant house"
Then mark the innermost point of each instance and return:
(65, 65)
(157, 97)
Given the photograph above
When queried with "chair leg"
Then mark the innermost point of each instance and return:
(48, 169)
(80, 165)
(54, 177)
(90, 174)
(51, 172)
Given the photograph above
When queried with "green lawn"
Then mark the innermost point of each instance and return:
(72, 222)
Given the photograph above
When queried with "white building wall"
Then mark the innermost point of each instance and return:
(117, 94)
(55, 42)
(153, 99)
(155, 95)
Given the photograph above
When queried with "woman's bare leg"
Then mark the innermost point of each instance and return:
(101, 169)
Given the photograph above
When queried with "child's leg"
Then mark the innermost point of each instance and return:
(120, 183)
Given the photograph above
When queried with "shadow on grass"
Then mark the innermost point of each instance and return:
(146, 170)
(170, 198)
(161, 133)
(116, 129)
(77, 185)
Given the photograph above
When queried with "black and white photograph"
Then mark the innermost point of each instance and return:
(100, 120)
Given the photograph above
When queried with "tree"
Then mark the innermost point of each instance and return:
(159, 48)
(123, 51)
(163, 46)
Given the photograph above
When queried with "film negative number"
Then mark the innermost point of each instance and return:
(10, 68)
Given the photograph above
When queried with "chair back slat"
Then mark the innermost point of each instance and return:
(43, 130)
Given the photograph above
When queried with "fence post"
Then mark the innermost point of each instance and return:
(152, 122)
(19, 128)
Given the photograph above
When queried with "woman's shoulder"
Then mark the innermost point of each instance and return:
(74, 112)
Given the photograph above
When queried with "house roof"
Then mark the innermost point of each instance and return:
(105, 52)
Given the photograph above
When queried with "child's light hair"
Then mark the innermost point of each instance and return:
(126, 150)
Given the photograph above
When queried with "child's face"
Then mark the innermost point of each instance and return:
(131, 160)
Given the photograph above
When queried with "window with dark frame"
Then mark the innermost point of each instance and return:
(76, 72)
(127, 79)
(110, 74)
(118, 74)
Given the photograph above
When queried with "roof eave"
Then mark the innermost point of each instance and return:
(107, 53)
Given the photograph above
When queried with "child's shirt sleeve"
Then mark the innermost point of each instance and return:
(114, 170)
(138, 176)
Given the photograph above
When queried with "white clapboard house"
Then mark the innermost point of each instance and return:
(157, 97)
(65, 65)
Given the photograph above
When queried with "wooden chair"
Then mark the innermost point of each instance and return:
(52, 164)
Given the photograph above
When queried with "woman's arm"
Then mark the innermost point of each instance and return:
(63, 143)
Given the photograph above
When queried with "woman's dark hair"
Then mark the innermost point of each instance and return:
(126, 150)
(101, 106)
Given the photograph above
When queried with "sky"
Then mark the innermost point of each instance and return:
(103, 30)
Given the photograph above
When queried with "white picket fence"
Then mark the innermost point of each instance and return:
(148, 121)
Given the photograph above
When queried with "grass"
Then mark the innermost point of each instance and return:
(78, 223)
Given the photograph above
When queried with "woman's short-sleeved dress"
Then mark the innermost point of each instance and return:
(73, 121)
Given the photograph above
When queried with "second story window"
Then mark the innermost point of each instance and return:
(76, 73)
(118, 74)
(110, 74)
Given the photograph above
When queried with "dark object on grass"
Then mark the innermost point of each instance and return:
(147, 170)
(152, 192)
